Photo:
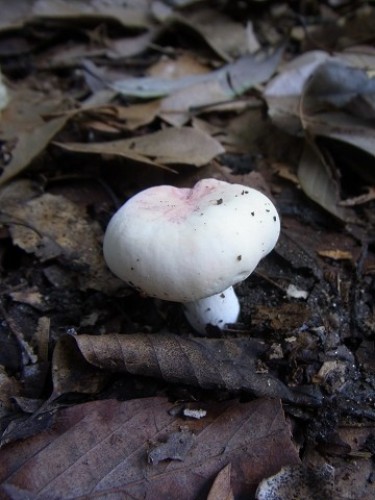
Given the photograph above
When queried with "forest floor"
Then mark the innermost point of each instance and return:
(106, 393)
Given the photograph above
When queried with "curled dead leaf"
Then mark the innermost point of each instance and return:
(228, 364)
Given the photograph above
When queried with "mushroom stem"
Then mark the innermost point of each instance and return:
(217, 310)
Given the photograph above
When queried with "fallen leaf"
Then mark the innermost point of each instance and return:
(221, 489)
(169, 146)
(101, 448)
(24, 130)
(224, 35)
(229, 81)
(319, 184)
(72, 374)
(53, 227)
(343, 127)
(283, 92)
(28, 145)
(137, 115)
(228, 364)
(9, 388)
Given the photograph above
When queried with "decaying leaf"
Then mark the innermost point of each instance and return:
(25, 131)
(72, 374)
(224, 35)
(101, 449)
(319, 95)
(228, 82)
(9, 387)
(53, 227)
(283, 92)
(170, 146)
(319, 184)
(228, 364)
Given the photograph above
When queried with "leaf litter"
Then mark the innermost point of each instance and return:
(103, 99)
(129, 446)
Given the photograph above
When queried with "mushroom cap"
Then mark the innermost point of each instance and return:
(184, 244)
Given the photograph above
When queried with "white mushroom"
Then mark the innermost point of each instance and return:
(192, 245)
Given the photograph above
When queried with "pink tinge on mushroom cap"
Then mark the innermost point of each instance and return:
(186, 244)
(175, 204)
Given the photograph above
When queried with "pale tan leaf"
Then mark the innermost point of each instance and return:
(170, 146)
(221, 489)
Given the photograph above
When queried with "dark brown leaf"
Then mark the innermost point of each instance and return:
(100, 449)
(228, 364)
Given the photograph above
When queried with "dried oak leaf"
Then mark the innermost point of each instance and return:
(25, 132)
(100, 450)
(183, 145)
(228, 364)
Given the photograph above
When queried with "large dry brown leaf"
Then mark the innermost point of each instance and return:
(228, 364)
(101, 449)
(170, 146)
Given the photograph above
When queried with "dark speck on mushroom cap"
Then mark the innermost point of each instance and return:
(185, 244)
